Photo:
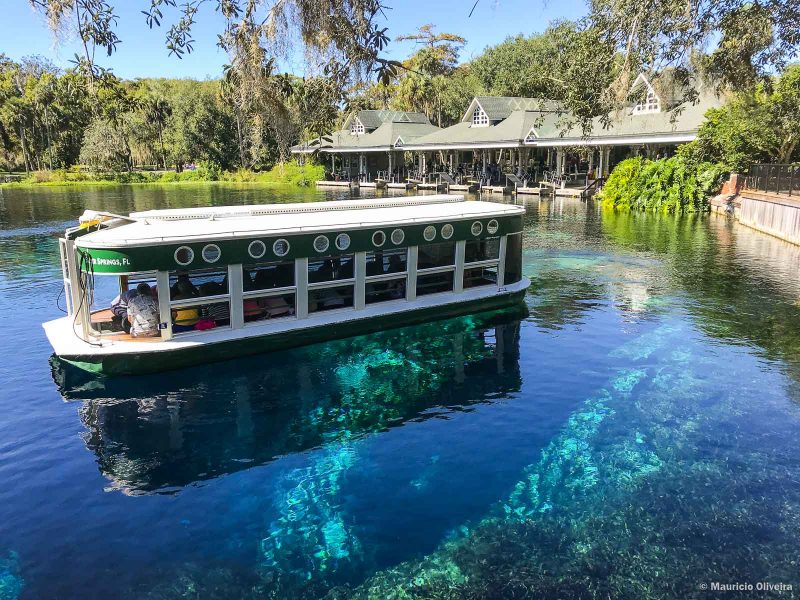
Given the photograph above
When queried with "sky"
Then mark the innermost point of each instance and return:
(142, 52)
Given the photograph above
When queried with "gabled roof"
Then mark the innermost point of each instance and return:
(372, 119)
(381, 138)
(665, 85)
(498, 108)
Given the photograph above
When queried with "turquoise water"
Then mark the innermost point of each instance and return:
(630, 433)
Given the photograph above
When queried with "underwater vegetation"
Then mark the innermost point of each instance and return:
(633, 499)
(11, 582)
(374, 387)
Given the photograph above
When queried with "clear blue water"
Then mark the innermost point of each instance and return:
(632, 434)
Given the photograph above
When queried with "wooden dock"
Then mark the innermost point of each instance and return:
(439, 187)
(533, 191)
(569, 192)
(462, 187)
(401, 185)
(374, 185)
(338, 184)
(497, 189)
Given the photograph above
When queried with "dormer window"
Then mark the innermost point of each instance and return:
(480, 118)
(356, 127)
(650, 104)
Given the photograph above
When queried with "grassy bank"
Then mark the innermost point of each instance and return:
(289, 173)
(666, 185)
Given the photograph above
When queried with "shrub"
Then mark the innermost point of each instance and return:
(294, 173)
(668, 185)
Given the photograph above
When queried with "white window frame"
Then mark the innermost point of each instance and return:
(651, 104)
(492, 262)
(200, 301)
(385, 277)
(356, 127)
(265, 293)
(321, 285)
(479, 117)
(443, 269)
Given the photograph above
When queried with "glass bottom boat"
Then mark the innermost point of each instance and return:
(199, 285)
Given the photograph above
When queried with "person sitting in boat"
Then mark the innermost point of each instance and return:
(119, 310)
(217, 311)
(184, 287)
(143, 313)
(184, 319)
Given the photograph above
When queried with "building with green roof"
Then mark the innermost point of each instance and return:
(518, 136)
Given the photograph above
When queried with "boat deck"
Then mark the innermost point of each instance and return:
(102, 321)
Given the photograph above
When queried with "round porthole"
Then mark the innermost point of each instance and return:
(398, 236)
(492, 226)
(447, 231)
(211, 253)
(280, 247)
(257, 249)
(429, 233)
(378, 239)
(321, 243)
(477, 228)
(184, 255)
(342, 241)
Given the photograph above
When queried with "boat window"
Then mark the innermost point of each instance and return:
(479, 250)
(479, 276)
(342, 241)
(321, 243)
(330, 268)
(184, 255)
(266, 308)
(211, 253)
(381, 262)
(432, 256)
(184, 285)
(378, 239)
(267, 276)
(200, 317)
(281, 247)
(435, 283)
(257, 249)
(385, 290)
(513, 265)
(398, 235)
(106, 292)
(330, 298)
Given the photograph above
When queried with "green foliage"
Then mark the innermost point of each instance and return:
(758, 126)
(667, 185)
(294, 173)
(104, 147)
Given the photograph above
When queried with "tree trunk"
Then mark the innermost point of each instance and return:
(49, 142)
(161, 142)
(24, 149)
(239, 138)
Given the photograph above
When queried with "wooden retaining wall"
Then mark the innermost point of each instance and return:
(770, 213)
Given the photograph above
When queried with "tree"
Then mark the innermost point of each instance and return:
(105, 148)
(758, 126)
(423, 84)
(157, 111)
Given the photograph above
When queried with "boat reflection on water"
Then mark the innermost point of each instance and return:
(156, 434)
